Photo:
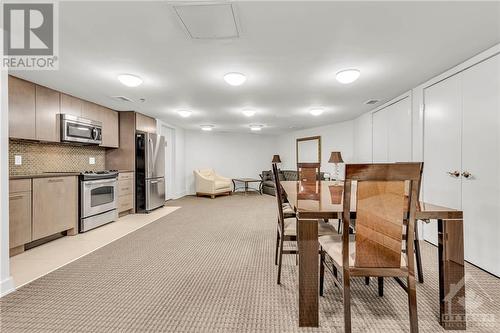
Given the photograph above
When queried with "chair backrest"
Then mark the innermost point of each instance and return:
(210, 173)
(279, 197)
(382, 210)
(308, 171)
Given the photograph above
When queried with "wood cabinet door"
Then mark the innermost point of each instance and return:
(481, 161)
(21, 109)
(19, 218)
(91, 111)
(55, 205)
(144, 123)
(71, 105)
(47, 106)
(110, 125)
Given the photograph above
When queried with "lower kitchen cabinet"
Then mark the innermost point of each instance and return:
(55, 206)
(125, 192)
(19, 215)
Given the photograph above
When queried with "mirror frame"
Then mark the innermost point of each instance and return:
(309, 138)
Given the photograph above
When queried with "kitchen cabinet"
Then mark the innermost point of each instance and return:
(48, 108)
(55, 206)
(110, 125)
(19, 215)
(125, 192)
(91, 111)
(144, 123)
(461, 160)
(71, 105)
(21, 109)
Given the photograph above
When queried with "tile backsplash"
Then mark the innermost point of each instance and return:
(40, 157)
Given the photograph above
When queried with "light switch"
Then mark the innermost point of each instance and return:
(18, 160)
(91, 160)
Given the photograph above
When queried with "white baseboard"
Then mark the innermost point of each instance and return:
(6, 286)
(179, 195)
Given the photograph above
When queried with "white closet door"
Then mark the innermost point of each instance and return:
(399, 145)
(481, 158)
(442, 147)
(380, 149)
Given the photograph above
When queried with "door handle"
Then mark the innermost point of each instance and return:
(466, 174)
(455, 173)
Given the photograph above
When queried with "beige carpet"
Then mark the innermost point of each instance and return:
(208, 267)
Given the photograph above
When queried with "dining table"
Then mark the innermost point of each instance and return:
(322, 200)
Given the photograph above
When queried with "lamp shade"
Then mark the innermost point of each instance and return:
(276, 159)
(336, 157)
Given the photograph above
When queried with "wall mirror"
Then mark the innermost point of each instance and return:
(308, 150)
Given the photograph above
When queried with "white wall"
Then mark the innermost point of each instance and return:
(230, 154)
(363, 139)
(334, 137)
(6, 283)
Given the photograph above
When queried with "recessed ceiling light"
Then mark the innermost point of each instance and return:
(130, 80)
(184, 113)
(249, 112)
(316, 111)
(347, 76)
(207, 127)
(256, 127)
(235, 79)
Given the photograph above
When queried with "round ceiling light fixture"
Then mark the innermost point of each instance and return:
(235, 78)
(207, 127)
(184, 113)
(256, 127)
(249, 112)
(347, 76)
(316, 111)
(130, 80)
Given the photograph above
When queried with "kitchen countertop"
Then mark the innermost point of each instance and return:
(44, 175)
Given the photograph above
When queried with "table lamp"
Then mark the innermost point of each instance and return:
(336, 158)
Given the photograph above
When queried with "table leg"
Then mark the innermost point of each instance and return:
(451, 274)
(246, 188)
(307, 237)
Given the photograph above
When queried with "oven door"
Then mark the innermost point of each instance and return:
(74, 131)
(98, 196)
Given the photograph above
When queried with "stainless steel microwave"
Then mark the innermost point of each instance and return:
(77, 129)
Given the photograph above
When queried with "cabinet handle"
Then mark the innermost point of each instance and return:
(125, 188)
(455, 173)
(16, 197)
(466, 174)
(56, 180)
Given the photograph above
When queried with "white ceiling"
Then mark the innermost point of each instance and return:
(290, 52)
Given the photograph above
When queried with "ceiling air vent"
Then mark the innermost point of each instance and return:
(208, 21)
(372, 101)
(122, 98)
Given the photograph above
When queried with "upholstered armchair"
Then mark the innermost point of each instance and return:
(209, 183)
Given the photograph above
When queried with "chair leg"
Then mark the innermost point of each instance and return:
(412, 304)
(339, 226)
(380, 286)
(418, 260)
(280, 260)
(367, 280)
(321, 272)
(277, 247)
(347, 302)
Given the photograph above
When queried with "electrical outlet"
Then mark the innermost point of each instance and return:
(91, 160)
(18, 160)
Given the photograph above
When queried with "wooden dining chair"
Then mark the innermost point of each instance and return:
(287, 224)
(308, 171)
(385, 226)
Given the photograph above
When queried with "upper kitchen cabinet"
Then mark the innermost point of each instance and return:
(21, 109)
(47, 106)
(109, 120)
(144, 123)
(71, 105)
(110, 125)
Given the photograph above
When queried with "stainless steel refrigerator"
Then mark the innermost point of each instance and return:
(150, 171)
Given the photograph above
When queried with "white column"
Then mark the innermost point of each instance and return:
(6, 283)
